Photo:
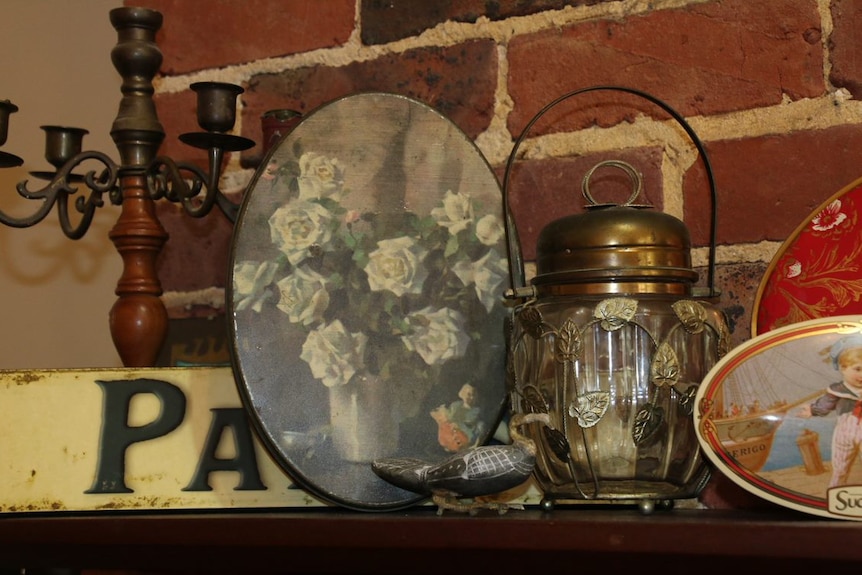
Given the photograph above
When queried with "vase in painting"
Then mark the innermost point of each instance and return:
(364, 426)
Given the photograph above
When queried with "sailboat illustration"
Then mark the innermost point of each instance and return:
(754, 394)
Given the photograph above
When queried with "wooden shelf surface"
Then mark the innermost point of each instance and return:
(418, 540)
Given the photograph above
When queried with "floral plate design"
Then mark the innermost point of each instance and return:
(817, 272)
(365, 300)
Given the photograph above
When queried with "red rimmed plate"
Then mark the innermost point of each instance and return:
(817, 271)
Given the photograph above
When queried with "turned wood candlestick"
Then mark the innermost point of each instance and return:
(138, 319)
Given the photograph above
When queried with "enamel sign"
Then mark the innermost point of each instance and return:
(138, 439)
(162, 438)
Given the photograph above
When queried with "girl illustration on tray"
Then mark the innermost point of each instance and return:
(844, 398)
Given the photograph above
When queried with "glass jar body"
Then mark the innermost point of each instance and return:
(618, 376)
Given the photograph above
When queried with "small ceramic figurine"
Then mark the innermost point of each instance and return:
(469, 474)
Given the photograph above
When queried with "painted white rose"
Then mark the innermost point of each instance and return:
(829, 217)
(303, 296)
(397, 265)
(437, 335)
(456, 214)
(333, 354)
(249, 284)
(298, 226)
(489, 230)
(319, 177)
(793, 269)
(487, 274)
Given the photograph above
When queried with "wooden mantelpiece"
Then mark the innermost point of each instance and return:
(419, 541)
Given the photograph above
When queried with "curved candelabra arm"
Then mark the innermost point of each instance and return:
(65, 184)
(166, 180)
(183, 182)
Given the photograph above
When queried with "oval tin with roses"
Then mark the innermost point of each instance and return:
(365, 299)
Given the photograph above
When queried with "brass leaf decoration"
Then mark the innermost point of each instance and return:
(664, 370)
(557, 442)
(647, 421)
(686, 400)
(616, 312)
(531, 321)
(534, 400)
(590, 407)
(569, 343)
(691, 314)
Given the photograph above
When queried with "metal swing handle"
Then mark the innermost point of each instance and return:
(516, 268)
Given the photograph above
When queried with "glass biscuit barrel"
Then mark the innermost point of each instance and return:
(611, 338)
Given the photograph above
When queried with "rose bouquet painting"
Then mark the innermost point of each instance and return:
(365, 295)
(388, 303)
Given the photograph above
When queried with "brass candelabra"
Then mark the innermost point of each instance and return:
(138, 319)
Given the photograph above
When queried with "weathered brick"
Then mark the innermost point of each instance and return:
(768, 185)
(199, 34)
(385, 21)
(702, 59)
(196, 255)
(738, 285)
(845, 50)
(458, 81)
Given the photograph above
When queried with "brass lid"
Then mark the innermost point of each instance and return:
(613, 249)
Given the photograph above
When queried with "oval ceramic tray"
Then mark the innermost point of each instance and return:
(781, 416)
(366, 311)
(816, 271)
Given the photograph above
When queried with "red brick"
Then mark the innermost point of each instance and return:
(458, 81)
(845, 50)
(737, 285)
(768, 185)
(388, 20)
(702, 59)
(200, 34)
(196, 255)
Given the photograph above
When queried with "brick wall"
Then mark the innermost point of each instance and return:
(769, 87)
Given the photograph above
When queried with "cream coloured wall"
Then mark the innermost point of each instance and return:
(56, 293)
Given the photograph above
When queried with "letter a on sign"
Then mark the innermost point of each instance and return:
(244, 462)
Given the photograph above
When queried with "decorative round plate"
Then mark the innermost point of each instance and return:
(366, 313)
(816, 271)
(780, 416)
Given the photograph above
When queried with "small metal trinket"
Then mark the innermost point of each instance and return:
(468, 474)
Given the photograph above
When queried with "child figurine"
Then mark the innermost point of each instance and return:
(845, 398)
(459, 425)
